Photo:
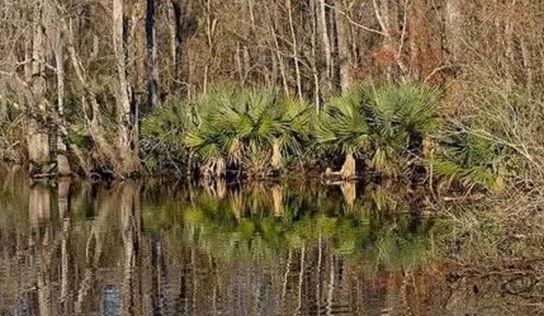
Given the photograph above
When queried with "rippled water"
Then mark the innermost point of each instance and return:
(269, 249)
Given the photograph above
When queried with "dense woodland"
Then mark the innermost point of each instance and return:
(398, 88)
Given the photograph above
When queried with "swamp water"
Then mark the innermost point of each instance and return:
(75, 248)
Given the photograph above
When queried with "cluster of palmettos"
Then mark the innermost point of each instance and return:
(389, 130)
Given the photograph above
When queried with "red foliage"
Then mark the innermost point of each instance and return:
(385, 56)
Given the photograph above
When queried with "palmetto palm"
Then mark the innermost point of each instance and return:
(249, 128)
(385, 122)
(162, 134)
(400, 118)
(343, 127)
(471, 159)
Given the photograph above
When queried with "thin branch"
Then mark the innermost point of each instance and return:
(351, 21)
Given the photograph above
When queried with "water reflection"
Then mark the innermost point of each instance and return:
(266, 249)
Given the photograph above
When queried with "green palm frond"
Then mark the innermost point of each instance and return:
(234, 119)
(343, 125)
(471, 160)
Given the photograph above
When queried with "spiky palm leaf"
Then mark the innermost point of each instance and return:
(399, 116)
(385, 121)
(240, 122)
(343, 125)
(470, 159)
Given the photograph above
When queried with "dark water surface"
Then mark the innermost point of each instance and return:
(269, 249)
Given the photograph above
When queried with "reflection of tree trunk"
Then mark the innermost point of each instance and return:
(286, 276)
(277, 199)
(39, 205)
(221, 188)
(349, 192)
(64, 209)
(158, 274)
(92, 256)
(130, 224)
(318, 268)
(39, 208)
(330, 292)
(301, 278)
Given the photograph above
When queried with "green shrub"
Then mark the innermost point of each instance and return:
(383, 124)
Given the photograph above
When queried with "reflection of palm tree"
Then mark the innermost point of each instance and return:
(260, 233)
(350, 193)
(277, 197)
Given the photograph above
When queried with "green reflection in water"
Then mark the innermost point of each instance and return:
(265, 221)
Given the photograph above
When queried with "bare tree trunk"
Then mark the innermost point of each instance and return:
(128, 160)
(38, 139)
(313, 54)
(295, 48)
(342, 37)
(176, 40)
(281, 65)
(63, 166)
(323, 29)
(454, 23)
(94, 123)
(152, 71)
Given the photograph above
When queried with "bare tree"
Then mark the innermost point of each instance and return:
(38, 138)
(126, 116)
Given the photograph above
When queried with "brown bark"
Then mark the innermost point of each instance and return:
(324, 32)
(348, 170)
(344, 56)
(277, 158)
(63, 165)
(126, 117)
(152, 70)
(38, 138)
(453, 32)
(294, 44)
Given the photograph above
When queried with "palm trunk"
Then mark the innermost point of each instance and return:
(349, 170)
(277, 158)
